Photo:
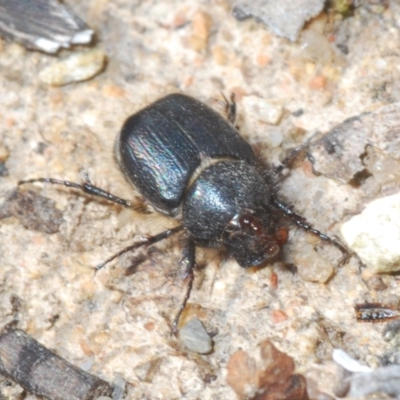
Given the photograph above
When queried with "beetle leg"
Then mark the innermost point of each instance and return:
(293, 155)
(86, 186)
(189, 261)
(290, 158)
(144, 242)
(303, 224)
(230, 108)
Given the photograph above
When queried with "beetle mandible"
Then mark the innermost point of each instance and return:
(191, 164)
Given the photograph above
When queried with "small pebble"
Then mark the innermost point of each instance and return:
(119, 386)
(34, 212)
(75, 68)
(195, 337)
(375, 234)
(262, 109)
(311, 266)
(201, 28)
(383, 380)
(88, 364)
(285, 17)
(347, 362)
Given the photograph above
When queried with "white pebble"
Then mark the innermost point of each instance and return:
(75, 68)
(347, 362)
(375, 234)
(262, 110)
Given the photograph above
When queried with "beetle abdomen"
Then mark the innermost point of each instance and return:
(161, 146)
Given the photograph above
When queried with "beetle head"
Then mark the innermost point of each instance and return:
(251, 240)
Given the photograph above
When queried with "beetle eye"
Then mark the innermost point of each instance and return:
(250, 224)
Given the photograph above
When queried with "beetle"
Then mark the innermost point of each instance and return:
(191, 164)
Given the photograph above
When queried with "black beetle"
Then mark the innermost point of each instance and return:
(192, 165)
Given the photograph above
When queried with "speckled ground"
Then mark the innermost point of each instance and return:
(118, 326)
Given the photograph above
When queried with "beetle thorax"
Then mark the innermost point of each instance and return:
(227, 203)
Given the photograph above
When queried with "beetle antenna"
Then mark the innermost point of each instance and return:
(303, 224)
